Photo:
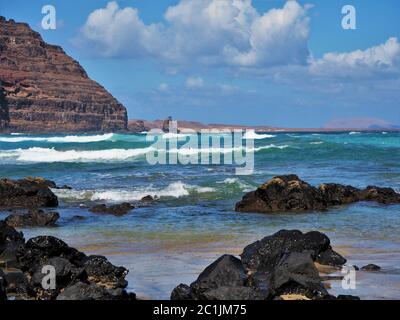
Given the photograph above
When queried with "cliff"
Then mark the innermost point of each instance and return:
(45, 90)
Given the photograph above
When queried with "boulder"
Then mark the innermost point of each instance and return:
(281, 194)
(381, 195)
(224, 279)
(289, 193)
(40, 249)
(182, 292)
(296, 273)
(85, 291)
(34, 218)
(101, 271)
(18, 284)
(266, 253)
(371, 267)
(11, 242)
(116, 210)
(26, 193)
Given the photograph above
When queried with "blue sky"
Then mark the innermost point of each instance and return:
(260, 62)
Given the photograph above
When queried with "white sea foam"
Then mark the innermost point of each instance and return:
(317, 142)
(354, 132)
(37, 154)
(66, 139)
(251, 134)
(176, 190)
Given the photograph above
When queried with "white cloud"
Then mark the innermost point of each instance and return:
(163, 87)
(207, 32)
(382, 59)
(194, 82)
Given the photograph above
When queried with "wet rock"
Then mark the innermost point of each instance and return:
(227, 271)
(26, 193)
(147, 199)
(11, 242)
(224, 279)
(337, 194)
(34, 218)
(101, 271)
(296, 273)
(18, 284)
(282, 193)
(330, 258)
(85, 291)
(381, 195)
(78, 218)
(116, 210)
(182, 292)
(289, 193)
(371, 267)
(40, 249)
(282, 264)
(3, 295)
(263, 255)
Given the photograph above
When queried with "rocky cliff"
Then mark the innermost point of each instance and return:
(45, 90)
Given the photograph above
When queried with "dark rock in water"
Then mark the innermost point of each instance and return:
(116, 210)
(337, 194)
(347, 297)
(296, 273)
(330, 258)
(78, 218)
(34, 218)
(356, 268)
(3, 295)
(84, 291)
(227, 271)
(40, 249)
(266, 253)
(280, 264)
(101, 271)
(11, 242)
(147, 198)
(288, 193)
(224, 279)
(381, 195)
(26, 193)
(283, 193)
(371, 267)
(182, 292)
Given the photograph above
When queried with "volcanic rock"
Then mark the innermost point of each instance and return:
(34, 218)
(26, 193)
(289, 193)
(45, 90)
(116, 210)
(371, 267)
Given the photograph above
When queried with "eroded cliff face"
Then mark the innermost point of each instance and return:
(45, 90)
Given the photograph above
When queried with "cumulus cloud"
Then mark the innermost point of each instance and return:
(194, 82)
(207, 32)
(382, 59)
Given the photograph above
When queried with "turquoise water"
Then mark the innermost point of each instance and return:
(193, 221)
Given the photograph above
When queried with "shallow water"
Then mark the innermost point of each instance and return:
(193, 222)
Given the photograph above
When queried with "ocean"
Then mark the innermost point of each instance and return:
(193, 222)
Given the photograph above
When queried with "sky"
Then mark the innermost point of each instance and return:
(261, 62)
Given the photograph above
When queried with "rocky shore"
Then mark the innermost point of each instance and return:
(279, 266)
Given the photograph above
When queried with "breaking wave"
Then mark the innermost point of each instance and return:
(251, 134)
(174, 190)
(37, 154)
(67, 139)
